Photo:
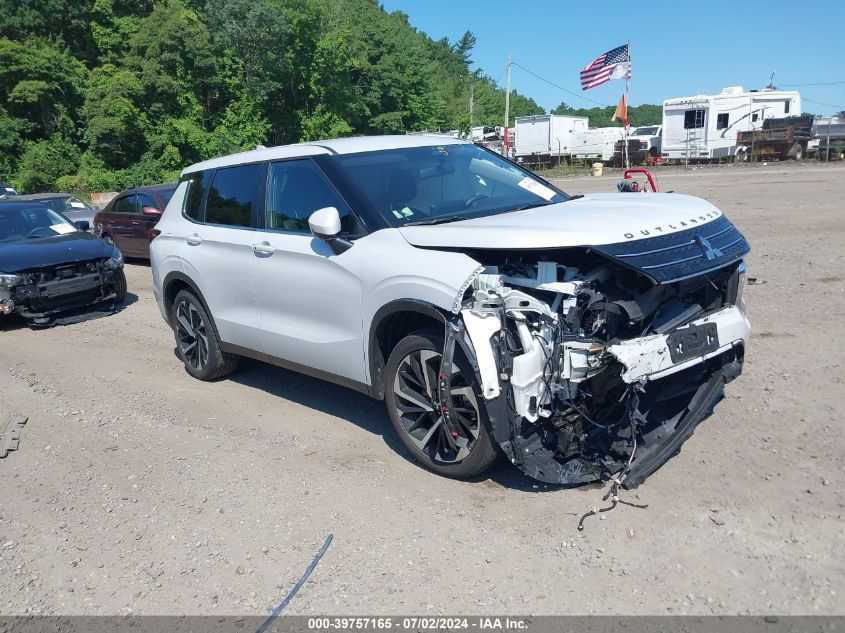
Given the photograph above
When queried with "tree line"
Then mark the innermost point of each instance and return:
(646, 114)
(99, 95)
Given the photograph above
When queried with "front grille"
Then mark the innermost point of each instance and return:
(668, 258)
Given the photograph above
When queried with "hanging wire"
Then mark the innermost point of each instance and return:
(551, 83)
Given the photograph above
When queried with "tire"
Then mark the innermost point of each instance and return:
(197, 342)
(413, 365)
(119, 286)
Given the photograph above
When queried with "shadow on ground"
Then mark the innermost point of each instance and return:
(364, 412)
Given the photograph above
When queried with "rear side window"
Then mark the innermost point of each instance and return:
(198, 183)
(231, 195)
(126, 204)
(295, 189)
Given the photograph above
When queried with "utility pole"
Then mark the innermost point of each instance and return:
(506, 144)
(471, 106)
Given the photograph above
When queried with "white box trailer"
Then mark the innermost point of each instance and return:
(546, 135)
(704, 127)
(598, 143)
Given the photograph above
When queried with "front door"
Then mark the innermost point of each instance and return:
(309, 303)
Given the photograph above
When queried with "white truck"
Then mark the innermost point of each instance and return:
(545, 137)
(705, 127)
(596, 144)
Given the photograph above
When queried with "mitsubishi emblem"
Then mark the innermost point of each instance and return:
(710, 251)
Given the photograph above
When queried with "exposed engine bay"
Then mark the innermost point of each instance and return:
(43, 295)
(591, 369)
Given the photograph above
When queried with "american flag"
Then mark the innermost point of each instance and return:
(614, 64)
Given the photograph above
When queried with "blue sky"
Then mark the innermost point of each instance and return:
(678, 48)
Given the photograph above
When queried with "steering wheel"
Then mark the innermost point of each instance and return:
(37, 229)
(475, 198)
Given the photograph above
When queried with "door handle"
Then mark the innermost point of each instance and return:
(265, 248)
(135, 222)
(193, 240)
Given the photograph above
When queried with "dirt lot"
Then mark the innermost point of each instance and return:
(138, 488)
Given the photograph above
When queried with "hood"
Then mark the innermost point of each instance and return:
(52, 251)
(595, 219)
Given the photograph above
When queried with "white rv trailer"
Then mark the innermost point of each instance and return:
(546, 135)
(704, 127)
(598, 143)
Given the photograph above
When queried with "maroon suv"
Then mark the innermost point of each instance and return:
(126, 221)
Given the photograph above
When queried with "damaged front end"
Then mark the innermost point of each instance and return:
(43, 295)
(599, 363)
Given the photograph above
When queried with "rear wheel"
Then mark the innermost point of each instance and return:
(461, 449)
(196, 340)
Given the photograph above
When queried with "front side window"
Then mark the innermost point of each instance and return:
(693, 119)
(231, 195)
(442, 183)
(295, 189)
(145, 200)
(722, 121)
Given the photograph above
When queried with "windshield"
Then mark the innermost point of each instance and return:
(31, 222)
(427, 185)
(645, 131)
(62, 204)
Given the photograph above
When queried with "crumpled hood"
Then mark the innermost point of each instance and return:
(595, 219)
(51, 251)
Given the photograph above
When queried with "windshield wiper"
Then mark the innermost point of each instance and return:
(441, 220)
(533, 205)
(575, 197)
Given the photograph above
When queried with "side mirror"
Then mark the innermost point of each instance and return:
(154, 211)
(325, 225)
(83, 225)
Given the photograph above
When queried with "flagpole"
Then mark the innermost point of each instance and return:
(627, 82)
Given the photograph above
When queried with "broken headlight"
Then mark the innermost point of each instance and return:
(115, 261)
(9, 281)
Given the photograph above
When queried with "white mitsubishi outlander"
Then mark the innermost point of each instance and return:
(584, 337)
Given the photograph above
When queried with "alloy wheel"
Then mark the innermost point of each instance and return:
(192, 335)
(415, 387)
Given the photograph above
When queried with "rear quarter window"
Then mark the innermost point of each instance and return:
(198, 183)
(231, 195)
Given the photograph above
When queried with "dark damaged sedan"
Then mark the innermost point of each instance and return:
(51, 268)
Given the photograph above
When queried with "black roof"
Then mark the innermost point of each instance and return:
(44, 196)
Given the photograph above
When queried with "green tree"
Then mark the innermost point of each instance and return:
(44, 162)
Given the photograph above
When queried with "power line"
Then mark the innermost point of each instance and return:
(821, 83)
(827, 105)
(551, 83)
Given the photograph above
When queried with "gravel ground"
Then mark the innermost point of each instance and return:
(139, 489)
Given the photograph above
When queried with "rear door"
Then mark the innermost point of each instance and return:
(117, 222)
(217, 250)
(309, 303)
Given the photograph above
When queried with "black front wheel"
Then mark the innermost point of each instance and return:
(458, 447)
(120, 288)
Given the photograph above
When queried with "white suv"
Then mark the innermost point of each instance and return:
(582, 336)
